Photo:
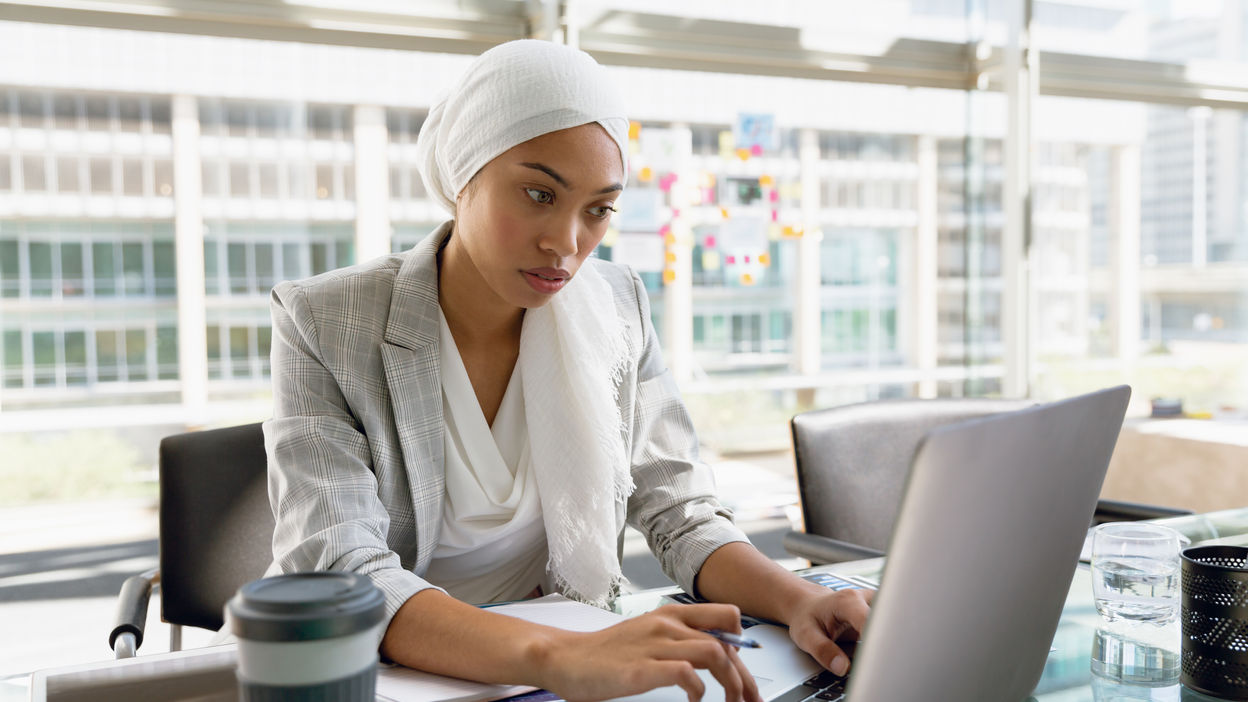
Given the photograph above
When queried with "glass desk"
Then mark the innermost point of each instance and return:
(1132, 662)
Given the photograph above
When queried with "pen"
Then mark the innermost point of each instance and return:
(733, 639)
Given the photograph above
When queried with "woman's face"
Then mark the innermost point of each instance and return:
(530, 217)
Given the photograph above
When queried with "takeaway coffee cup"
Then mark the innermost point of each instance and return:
(307, 636)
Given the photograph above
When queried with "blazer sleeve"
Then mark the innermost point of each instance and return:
(673, 504)
(322, 488)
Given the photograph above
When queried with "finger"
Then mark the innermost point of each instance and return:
(707, 616)
(824, 650)
(679, 673)
(852, 611)
(750, 692)
(712, 656)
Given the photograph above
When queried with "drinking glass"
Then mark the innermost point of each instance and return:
(1135, 571)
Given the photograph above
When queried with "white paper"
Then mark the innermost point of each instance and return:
(407, 685)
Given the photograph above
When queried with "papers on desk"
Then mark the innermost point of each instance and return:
(399, 684)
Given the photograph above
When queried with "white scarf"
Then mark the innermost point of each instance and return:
(572, 356)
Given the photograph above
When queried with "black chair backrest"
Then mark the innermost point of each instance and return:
(216, 526)
(852, 461)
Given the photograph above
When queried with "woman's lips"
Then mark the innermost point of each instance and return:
(547, 280)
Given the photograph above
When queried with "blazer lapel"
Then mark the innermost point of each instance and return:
(410, 355)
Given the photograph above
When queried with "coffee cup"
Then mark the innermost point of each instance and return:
(307, 636)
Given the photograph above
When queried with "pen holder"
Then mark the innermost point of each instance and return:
(1215, 621)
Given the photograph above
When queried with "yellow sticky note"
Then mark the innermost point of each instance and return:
(743, 154)
(710, 260)
(766, 181)
(634, 130)
(764, 259)
(669, 275)
(747, 279)
(645, 175)
(671, 256)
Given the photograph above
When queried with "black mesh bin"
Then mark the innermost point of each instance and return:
(1215, 621)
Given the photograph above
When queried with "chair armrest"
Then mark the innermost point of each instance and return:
(821, 549)
(131, 617)
(1119, 511)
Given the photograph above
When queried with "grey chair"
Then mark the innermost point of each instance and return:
(216, 533)
(852, 465)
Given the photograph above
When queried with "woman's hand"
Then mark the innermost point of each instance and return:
(822, 619)
(657, 649)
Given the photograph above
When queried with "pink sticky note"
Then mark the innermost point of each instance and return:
(757, 149)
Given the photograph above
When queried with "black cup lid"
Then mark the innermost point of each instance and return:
(305, 607)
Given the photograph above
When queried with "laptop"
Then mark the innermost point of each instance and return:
(979, 565)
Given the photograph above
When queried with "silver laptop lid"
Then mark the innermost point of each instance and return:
(991, 524)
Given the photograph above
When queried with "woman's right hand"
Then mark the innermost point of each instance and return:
(657, 649)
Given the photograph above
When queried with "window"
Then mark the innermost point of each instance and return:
(13, 356)
(34, 173)
(101, 172)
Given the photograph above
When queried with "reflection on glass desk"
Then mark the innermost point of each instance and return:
(1092, 661)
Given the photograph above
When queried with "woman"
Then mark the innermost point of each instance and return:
(476, 419)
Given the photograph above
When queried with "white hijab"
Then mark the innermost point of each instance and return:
(572, 355)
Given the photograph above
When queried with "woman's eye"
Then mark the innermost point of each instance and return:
(540, 196)
(602, 211)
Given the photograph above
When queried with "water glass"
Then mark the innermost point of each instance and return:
(1135, 571)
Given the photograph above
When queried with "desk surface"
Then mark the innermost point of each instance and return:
(1144, 663)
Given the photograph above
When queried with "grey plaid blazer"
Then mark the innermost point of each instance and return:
(355, 445)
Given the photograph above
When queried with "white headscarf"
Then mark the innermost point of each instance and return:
(512, 93)
(573, 351)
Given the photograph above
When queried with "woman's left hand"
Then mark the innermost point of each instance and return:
(823, 619)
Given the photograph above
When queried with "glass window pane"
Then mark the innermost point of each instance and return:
(40, 269)
(75, 358)
(98, 119)
(240, 352)
(212, 281)
(162, 170)
(237, 260)
(236, 119)
(344, 253)
(65, 111)
(43, 348)
(264, 343)
(72, 284)
(160, 114)
(136, 354)
(132, 176)
(211, 177)
(165, 268)
(292, 262)
(130, 114)
(101, 176)
(214, 352)
(265, 274)
(13, 358)
(324, 180)
(132, 268)
(268, 180)
(167, 352)
(104, 267)
(320, 257)
(6, 172)
(348, 182)
(34, 173)
(107, 361)
(30, 110)
(10, 269)
(240, 180)
(67, 175)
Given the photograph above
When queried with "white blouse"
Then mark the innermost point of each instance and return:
(492, 546)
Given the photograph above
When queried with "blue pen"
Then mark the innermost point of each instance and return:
(733, 639)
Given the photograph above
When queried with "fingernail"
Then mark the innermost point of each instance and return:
(840, 665)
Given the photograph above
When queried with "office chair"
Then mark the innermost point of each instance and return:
(852, 465)
(216, 533)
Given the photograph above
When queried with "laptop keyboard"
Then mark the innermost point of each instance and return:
(823, 687)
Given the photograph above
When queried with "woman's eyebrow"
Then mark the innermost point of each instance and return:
(560, 179)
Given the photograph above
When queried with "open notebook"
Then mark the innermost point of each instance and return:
(399, 684)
